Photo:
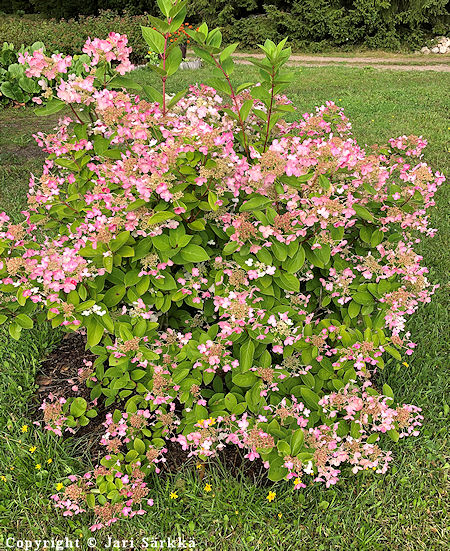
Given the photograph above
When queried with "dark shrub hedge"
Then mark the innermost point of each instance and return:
(310, 24)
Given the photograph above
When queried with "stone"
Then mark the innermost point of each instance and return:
(442, 49)
(425, 50)
(435, 50)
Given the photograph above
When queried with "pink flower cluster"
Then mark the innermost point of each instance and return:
(38, 64)
(77, 87)
(113, 48)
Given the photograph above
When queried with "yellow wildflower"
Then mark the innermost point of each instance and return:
(173, 495)
(207, 487)
(59, 486)
(38, 466)
(24, 428)
(3, 477)
(280, 515)
(32, 449)
(49, 460)
(271, 496)
(297, 481)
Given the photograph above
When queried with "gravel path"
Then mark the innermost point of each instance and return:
(400, 63)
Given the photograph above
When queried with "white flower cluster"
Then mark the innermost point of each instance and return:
(96, 309)
(260, 268)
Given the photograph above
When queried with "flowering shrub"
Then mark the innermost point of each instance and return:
(240, 279)
(33, 84)
(31, 75)
(69, 35)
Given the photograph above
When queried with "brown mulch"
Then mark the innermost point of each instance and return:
(59, 373)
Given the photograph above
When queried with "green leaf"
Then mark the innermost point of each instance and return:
(353, 309)
(137, 374)
(283, 447)
(194, 253)
(230, 401)
(289, 282)
(387, 391)
(52, 107)
(365, 233)
(228, 51)
(95, 331)
(24, 321)
(119, 241)
(154, 39)
(393, 435)
(114, 295)
(176, 98)
(139, 446)
(297, 440)
(212, 200)
(245, 109)
(15, 330)
(90, 500)
(173, 61)
(363, 297)
(310, 397)
(323, 253)
(124, 82)
(108, 263)
(255, 203)
(246, 355)
(293, 265)
(363, 213)
(152, 93)
(78, 407)
(276, 472)
(324, 182)
(393, 352)
(160, 216)
(165, 6)
(244, 380)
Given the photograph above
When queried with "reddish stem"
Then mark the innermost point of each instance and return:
(234, 99)
(76, 114)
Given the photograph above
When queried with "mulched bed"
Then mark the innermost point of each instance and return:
(59, 373)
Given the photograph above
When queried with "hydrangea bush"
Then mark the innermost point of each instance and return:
(240, 279)
(43, 72)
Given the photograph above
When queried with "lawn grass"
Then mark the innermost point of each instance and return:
(404, 510)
